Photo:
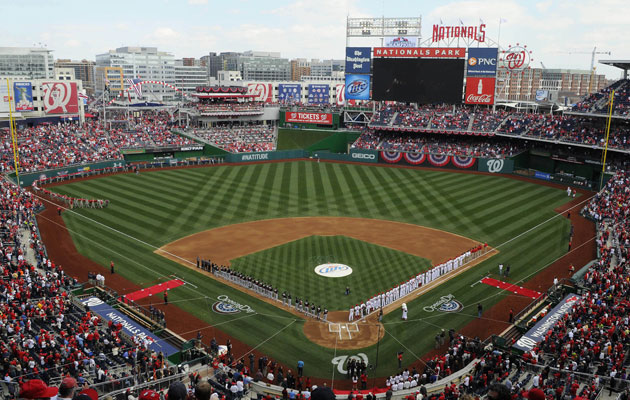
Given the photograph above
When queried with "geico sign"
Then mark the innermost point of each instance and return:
(364, 156)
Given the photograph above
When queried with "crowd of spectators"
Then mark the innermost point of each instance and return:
(459, 119)
(429, 143)
(598, 103)
(50, 146)
(240, 138)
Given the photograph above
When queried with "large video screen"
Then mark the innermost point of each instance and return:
(424, 81)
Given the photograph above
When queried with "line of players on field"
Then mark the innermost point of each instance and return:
(302, 305)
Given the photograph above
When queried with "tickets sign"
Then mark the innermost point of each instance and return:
(309, 118)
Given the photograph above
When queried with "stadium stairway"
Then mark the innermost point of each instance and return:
(29, 252)
(391, 121)
(471, 121)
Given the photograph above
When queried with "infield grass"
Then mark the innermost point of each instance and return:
(151, 209)
(290, 267)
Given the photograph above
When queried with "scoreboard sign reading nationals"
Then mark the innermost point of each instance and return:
(309, 118)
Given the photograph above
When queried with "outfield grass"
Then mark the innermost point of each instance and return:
(290, 139)
(158, 207)
(289, 267)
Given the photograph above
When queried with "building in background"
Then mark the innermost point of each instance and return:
(551, 85)
(188, 75)
(327, 67)
(64, 74)
(145, 63)
(253, 65)
(83, 70)
(263, 66)
(110, 79)
(300, 67)
(30, 62)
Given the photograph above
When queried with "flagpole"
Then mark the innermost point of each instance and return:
(494, 105)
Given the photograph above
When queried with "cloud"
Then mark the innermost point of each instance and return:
(197, 2)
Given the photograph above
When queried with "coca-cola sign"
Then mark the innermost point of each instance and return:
(480, 90)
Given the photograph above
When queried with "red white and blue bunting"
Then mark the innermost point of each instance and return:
(463, 162)
(391, 156)
(415, 158)
(438, 160)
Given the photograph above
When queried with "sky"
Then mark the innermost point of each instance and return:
(560, 34)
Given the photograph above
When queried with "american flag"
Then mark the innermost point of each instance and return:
(138, 88)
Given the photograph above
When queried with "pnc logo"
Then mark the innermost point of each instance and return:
(333, 270)
(358, 86)
(472, 61)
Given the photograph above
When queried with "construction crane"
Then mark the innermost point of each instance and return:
(590, 81)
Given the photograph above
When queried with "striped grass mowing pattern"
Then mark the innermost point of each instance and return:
(290, 267)
(159, 207)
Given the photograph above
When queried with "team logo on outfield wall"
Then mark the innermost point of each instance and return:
(226, 306)
(495, 166)
(445, 304)
(333, 270)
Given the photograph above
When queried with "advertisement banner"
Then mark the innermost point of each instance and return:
(265, 156)
(289, 93)
(60, 98)
(480, 90)
(5, 98)
(496, 165)
(129, 326)
(261, 92)
(482, 62)
(541, 95)
(341, 94)
(357, 87)
(400, 41)
(358, 60)
(23, 94)
(309, 118)
(420, 52)
(318, 94)
(536, 335)
(370, 156)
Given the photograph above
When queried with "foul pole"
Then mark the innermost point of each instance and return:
(16, 154)
(610, 110)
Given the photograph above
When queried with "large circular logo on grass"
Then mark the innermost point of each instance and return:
(333, 270)
(445, 304)
(225, 305)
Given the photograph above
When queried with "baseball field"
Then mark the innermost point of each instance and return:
(279, 221)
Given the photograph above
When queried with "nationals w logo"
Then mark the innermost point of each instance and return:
(495, 166)
(60, 97)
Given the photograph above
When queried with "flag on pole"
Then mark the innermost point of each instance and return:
(461, 22)
(502, 20)
(136, 84)
(441, 23)
(481, 21)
